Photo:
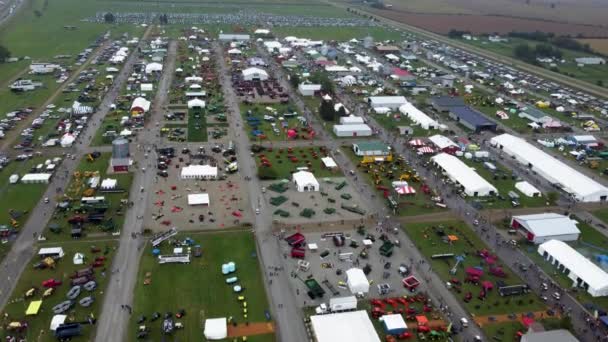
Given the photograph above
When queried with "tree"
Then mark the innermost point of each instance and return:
(294, 80)
(341, 112)
(4, 54)
(326, 110)
(327, 86)
(552, 197)
(600, 83)
(109, 18)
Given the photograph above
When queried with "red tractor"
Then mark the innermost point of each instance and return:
(51, 283)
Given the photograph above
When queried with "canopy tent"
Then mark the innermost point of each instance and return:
(196, 103)
(329, 162)
(109, 183)
(394, 324)
(527, 189)
(57, 321)
(153, 67)
(216, 328)
(305, 181)
(418, 117)
(33, 308)
(416, 142)
(199, 172)
(473, 184)
(357, 281)
(140, 105)
(344, 326)
(198, 199)
(78, 259)
(426, 150)
(405, 190)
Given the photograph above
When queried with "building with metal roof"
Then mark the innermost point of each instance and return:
(539, 228)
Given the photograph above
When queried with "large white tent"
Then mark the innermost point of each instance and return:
(461, 173)
(418, 117)
(153, 67)
(251, 74)
(141, 104)
(199, 172)
(527, 189)
(305, 181)
(36, 178)
(580, 270)
(581, 187)
(196, 103)
(198, 199)
(393, 102)
(344, 326)
(357, 281)
(539, 228)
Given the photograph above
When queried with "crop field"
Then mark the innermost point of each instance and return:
(199, 288)
(588, 12)
(599, 45)
(76, 189)
(477, 24)
(38, 325)
(430, 238)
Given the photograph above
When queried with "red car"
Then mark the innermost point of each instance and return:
(51, 283)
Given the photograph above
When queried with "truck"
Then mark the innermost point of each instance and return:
(338, 304)
(513, 290)
(314, 289)
(387, 248)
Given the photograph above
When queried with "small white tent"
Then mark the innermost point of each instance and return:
(216, 328)
(357, 281)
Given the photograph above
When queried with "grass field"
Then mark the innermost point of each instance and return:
(283, 166)
(273, 131)
(601, 214)
(429, 242)
(38, 325)
(75, 190)
(199, 287)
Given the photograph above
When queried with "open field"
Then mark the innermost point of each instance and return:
(428, 238)
(199, 288)
(283, 162)
(588, 12)
(337, 33)
(599, 45)
(38, 325)
(75, 190)
(443, 23)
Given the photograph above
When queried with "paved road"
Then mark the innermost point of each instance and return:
(284, 310)
(23, 248)
(114, 321)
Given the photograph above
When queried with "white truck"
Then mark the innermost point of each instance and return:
(337, 304)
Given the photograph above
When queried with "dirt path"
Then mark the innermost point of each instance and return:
(493, 319)
(250, 329)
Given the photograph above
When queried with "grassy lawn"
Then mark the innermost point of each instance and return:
(601, 214)
(199, 287)
(589, 236)
(338, 33)
(38, 325)
(111, 122)
(74, 192)
(197, 125)
(19, 197)
(282, 165)
(502, 180)
(429, 242)
(382, 175)
(267, 128)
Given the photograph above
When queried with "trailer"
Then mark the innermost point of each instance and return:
(338, 304)
(314, 289)
(174, 259)
(160, 237)
(296, 240)
(513, 290)
(298, 253)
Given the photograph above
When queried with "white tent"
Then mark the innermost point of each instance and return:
(250, 74)
(352, 120)
(196, 103)
(216, 328)
(141, 104)
(353, 130)
(198, 199)
(78, 259)
(153, 67)
(13, 179)
(329, 162)
(234, 52)
(393, 102)
(199, 172)
(146, 87)
(36, 178)
(67, 140)
(579, 269)
(192, 79)
(357, 281)
(418, 117)
(109, 183)
(539, 228)
(305, 181)
(57, 321)
(394, 324)
(344, 326)
(527, 189)
(461, 173)
(570, 180)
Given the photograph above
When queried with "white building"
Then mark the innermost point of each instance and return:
(308, 89)
(305, 181)
(356, 130)
(539, 228)
(581, 187)
(590, 60)
(457, 171)
(344, 326)
(418, 117)
(583, 273)
(251, 74)
(351, 120)
(357, 281)
(392, 102)
(199, 172)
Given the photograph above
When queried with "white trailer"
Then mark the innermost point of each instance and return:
(174, 259)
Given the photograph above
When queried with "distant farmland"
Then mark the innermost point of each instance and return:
(598, 45)
(478, 24)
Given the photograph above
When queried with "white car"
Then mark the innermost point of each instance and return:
(257, 211)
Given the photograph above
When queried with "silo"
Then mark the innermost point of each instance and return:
(120, 148)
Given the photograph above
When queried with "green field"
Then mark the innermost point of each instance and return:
(589, 73)
(199, 288)
(503, 181)
(74, 192)
(38, 325)
(429, 242)
(282, 165)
